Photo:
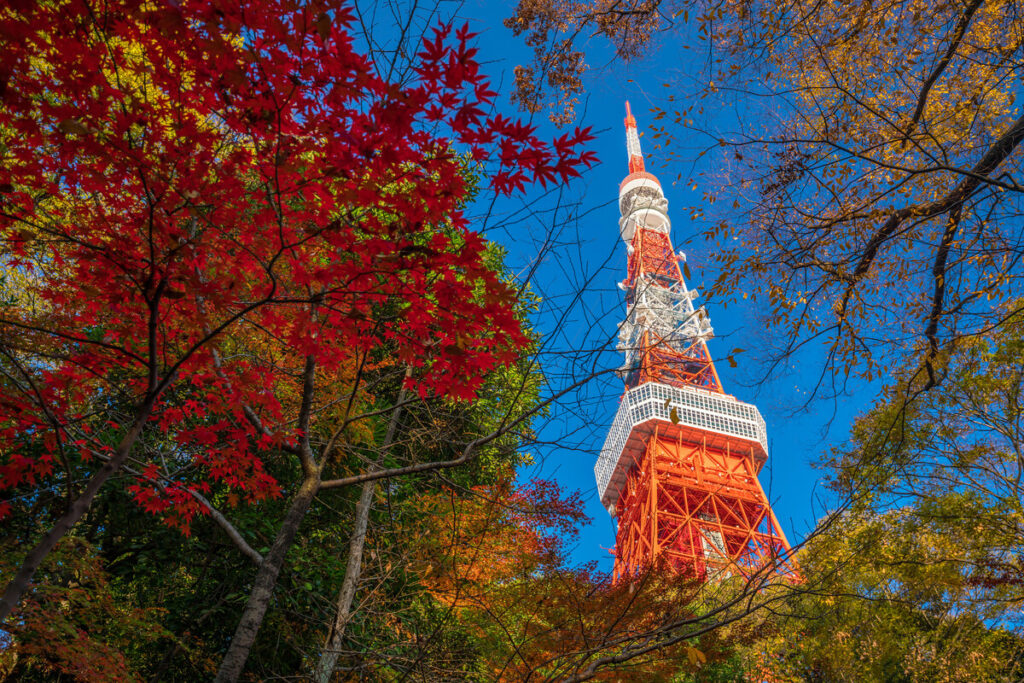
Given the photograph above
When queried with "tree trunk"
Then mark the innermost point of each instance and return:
(266, 578)
(332, 646)
(20, 583)
(354, 568)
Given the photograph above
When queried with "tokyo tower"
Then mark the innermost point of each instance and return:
(679, 466)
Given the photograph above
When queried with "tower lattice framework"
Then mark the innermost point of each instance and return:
(679, 469)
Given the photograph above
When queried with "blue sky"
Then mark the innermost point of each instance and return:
(576, 226)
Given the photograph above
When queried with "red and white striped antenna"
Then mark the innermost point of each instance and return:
(636, 156)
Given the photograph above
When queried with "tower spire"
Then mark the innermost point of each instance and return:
(636, 155)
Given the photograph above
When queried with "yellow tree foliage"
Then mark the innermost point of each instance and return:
(920, 577)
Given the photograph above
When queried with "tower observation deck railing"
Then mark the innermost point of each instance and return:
(737, 424)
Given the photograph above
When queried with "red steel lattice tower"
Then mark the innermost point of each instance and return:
(679, 469)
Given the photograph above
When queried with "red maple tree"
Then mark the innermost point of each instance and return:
(172, 171)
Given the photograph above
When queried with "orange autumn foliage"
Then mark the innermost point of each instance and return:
(493, 558)
(496, 535)
(71, 626)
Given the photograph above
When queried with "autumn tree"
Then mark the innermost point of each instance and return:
(198, 584)
(429, 559)
(899, 595)
(497, 564)
(919, 576)
(181, 182)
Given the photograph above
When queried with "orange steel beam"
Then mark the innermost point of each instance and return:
(680, 496)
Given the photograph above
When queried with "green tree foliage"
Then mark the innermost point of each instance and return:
(902, 595)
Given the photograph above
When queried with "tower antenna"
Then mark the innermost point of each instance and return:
(636, 155)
